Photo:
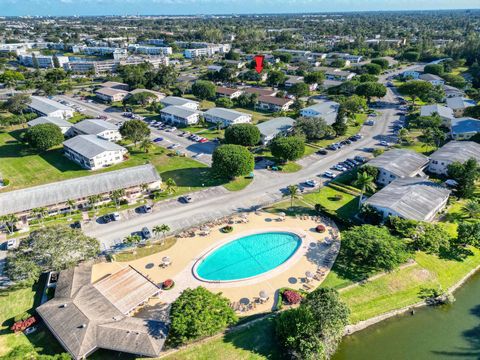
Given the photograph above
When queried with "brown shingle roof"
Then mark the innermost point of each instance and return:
(274, 100)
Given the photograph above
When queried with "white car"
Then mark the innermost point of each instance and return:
(383, 143)
(11, 244)
(339, 167)
(311, 183)
(116, 216)
(329, 174)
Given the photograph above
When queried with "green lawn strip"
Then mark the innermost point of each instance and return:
(77, 117)
(400, 288)
(290, 167)
(238, 184)
(345, 207)
(257, 342)
(142, 251)
(257, 116)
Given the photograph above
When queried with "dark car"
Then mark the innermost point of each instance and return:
(145, 209)
(259, 158)
(107, 218)
(322, 152)
(76, 225)
(146, 234)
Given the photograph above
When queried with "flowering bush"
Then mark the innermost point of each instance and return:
(292, 297)
(23, 324)
(168, 284)
(320, 228)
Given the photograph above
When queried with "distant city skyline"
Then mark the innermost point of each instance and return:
(194, 7)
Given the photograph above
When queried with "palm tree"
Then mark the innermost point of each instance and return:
(93, 200)
(71, 205)
(40, 213)
(132, 239)
(144, 187)
(170, 186)
(164, 228)
(364, 182)
(146, 144)
(116, 195)
(292, 192)
(9, 221)
(472, 209)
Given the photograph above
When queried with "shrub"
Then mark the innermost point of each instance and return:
(168, 284)
(292, 297)
(227, 229)
(230, 161)
(287, 148)
(242, 134)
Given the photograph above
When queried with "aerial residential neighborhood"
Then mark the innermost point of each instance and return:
(239, 180)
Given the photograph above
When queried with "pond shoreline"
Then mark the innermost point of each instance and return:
(351, 329)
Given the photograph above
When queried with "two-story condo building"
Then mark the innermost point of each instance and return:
(274, 104)
(229, 93)
(180, 115)
(226, 117)
(453, 151)
(398, 164)
(47, 107)
(178, 101)
(64, 125)
(98, 127)
(326, 109)
(92, 152)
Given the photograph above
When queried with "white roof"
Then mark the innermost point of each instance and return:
(443, 111)
(91, 145)
(94, 126)
(47, 106)
(227, 114)
(50, 120)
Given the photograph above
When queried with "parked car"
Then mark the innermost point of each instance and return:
(186, 199)
(145, 209)
(329, 174)
(339, 167)
(311, 183)
(360, 159)
(115, 216)
(11, 244)
(203, 140)
(383, 143)
(146, 234)
(76, 225)
(173, 146)
(322, 152)
(107, 218)
(370, 122)
(158, 139)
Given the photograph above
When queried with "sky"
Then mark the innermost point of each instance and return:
(193, 7)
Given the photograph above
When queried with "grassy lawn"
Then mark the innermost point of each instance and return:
(238, 184)
(345, 208)
(400, 288)
(253, 343)
(143, 251)
(24, 167)
(16, 301)
(77, 117)
(291, 167)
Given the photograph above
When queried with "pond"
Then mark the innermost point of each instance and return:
(445, 332)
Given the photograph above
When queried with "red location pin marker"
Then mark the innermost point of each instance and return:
(259, 63)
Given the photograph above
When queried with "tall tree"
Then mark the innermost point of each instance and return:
(365, 182)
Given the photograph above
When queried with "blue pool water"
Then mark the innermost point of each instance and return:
(248, 256)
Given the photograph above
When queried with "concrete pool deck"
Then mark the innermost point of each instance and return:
(316, 251)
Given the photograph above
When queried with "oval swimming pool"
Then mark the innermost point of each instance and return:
(248, 256)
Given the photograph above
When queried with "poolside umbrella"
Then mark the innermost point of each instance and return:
(166, 260)
(309, 275)
(263, 295)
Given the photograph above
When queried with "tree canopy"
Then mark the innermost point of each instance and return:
(287, 148)
(370, 248)
(371, 89)
(50, 248)
(230, 161)
(314, 329)
(242, 134)
(465, 174)
(44, 136)
(198, 313)
(134, 130)
(313, 128)
(203, 89)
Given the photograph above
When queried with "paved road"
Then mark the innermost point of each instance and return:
(266, 188)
